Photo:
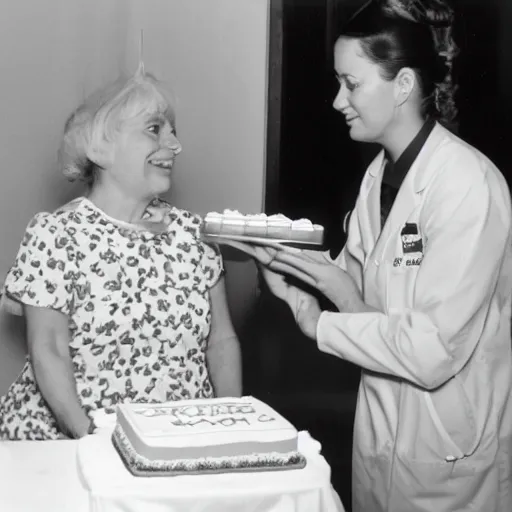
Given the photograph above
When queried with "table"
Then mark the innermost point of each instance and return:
(37, 476)
(46, 477)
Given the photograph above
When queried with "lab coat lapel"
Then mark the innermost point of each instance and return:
(409, 195)
(369, 212)
(405, 202)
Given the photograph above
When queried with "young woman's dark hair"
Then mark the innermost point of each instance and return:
(416, 34)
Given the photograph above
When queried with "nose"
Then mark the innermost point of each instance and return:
(341, 99)
(171, 141)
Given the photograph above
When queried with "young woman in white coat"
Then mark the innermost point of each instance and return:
(423, 286)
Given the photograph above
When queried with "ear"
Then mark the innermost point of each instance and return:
(405, 83)
(101, 153)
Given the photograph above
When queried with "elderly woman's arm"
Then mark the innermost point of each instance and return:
(223, 355)
(48, 345)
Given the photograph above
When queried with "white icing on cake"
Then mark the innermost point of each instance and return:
(198, 429)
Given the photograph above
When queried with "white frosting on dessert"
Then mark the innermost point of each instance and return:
(278, 216)
(233, 213)
(256, 216)
(302, 224)
(276, 226)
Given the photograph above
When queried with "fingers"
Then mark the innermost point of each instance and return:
(270, 244)
(241, 246)
(264, 255)
(305, 256)
(270, 254)
(283, 268)
(300, 262)
(318, 256)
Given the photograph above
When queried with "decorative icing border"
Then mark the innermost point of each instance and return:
(141, 466)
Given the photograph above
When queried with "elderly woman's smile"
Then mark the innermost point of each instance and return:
(162, 162)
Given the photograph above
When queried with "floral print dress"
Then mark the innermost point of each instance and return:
(138, 307)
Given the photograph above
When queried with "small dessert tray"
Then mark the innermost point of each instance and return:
(256, 240)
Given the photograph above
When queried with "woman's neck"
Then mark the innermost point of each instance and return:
(117, 204)
(401, 135)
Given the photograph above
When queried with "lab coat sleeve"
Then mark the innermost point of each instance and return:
(466, 229)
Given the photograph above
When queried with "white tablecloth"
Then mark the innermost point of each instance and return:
(45, 477)
(37, 476)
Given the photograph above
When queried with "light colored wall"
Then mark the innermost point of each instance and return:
(213, 53)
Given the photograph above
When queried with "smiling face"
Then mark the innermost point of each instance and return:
(133, 140)
(367, 101)
(143, 155)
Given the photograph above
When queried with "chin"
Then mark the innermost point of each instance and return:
(357, 135)
(161, 187)
(361, 135)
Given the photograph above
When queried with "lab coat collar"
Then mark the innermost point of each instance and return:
(417, 179)
(422, 171)
(419, 168)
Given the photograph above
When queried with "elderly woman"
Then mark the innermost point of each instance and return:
(122, 300)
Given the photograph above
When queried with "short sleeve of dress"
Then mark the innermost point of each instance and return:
(211, 264)
(45, 272)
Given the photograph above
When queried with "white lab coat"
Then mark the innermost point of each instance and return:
(433, 428)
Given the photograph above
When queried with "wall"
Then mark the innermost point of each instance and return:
(52, 54)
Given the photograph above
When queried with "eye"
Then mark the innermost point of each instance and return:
(348, 82)
(352, 86)
(154, 128)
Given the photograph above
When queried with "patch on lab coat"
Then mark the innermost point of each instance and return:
(412, 247)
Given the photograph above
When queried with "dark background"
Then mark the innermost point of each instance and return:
(314, 171)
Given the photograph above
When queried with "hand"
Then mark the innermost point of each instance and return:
(305, 309)
(264, 254)
(316, 270)
(304, 306)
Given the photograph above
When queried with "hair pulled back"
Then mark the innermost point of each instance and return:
(416, 34)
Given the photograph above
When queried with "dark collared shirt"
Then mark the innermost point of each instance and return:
(395, 172)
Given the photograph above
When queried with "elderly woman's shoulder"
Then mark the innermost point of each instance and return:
(59, 218)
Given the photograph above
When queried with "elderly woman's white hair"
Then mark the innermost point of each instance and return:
(96, 122)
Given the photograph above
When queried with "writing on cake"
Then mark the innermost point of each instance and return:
(226, 415)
